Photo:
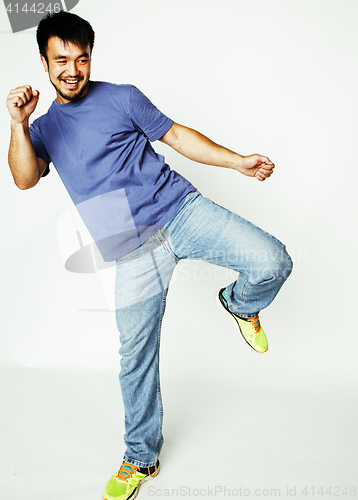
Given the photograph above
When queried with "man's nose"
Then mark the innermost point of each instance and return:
(72, 68)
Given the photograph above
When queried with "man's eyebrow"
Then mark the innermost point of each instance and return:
(84, 54)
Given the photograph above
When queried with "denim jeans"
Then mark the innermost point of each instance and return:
(200, 230)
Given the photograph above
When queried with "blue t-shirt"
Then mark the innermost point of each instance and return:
(99, 145)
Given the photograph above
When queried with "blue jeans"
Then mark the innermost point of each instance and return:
(200, 230)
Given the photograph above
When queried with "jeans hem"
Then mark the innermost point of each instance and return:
(244, 316)
(137, 463)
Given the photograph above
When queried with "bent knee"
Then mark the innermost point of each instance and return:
(276, 269)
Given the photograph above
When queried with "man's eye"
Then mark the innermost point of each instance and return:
(83, 61)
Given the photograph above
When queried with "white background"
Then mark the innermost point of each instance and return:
(277, 77)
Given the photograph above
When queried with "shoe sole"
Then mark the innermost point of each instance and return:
(222, 305)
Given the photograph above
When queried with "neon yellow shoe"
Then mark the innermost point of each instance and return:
(125, 483)
(249, 328)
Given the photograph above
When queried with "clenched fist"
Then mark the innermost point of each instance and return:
(21, 103)
(256, 166)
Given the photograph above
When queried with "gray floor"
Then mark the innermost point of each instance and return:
(251, 422)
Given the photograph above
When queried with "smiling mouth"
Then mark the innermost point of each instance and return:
(71, 83)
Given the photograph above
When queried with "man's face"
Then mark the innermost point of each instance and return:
(69, 68)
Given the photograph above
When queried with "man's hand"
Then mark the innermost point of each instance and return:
(256, 166)
(21, 103)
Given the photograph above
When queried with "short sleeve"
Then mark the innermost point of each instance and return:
(38, 146)
(146, 117)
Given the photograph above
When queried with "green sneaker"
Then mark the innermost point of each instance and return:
(125, 483)
(249, 328)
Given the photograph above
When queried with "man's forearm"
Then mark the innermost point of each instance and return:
(199, 148)
(22, 158)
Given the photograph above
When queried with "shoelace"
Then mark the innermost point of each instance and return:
(255, 323)
(126, 471)
(154, 473)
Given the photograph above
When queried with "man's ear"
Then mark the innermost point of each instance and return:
(44, 62)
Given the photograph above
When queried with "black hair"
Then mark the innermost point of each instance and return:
(70, 28)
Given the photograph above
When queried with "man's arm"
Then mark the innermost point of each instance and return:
(197, 147)
(26, 168)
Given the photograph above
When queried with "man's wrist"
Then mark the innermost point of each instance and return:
(20, 125)
(239, 162)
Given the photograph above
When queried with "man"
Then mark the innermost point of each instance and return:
(141, 214)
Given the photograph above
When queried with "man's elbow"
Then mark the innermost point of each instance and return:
(23, 187)
(26, 178)
(25, 184)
